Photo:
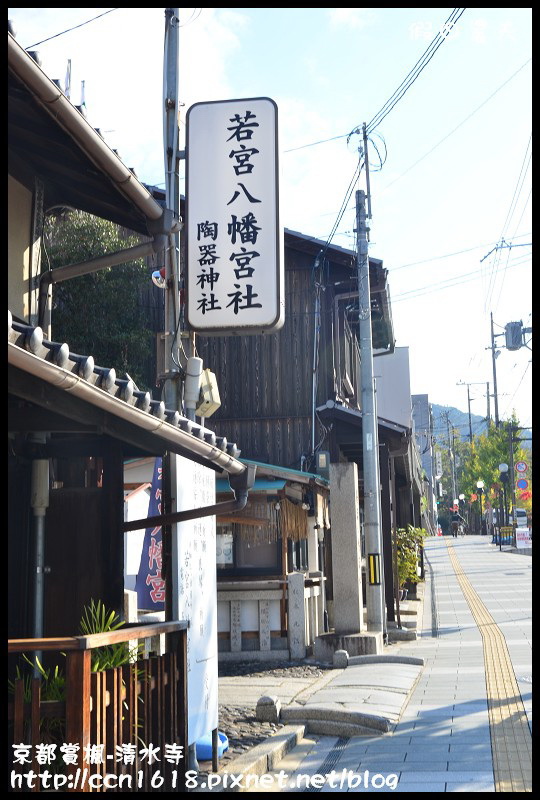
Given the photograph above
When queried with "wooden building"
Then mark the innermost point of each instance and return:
(71, 426)
(290, 395)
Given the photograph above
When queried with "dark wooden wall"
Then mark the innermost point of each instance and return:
(265, 381)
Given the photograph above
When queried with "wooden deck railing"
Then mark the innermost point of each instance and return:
(125, 727)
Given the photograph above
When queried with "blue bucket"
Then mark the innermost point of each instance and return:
(203, 746)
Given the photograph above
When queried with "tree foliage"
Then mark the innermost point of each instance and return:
(479, 460)
(100, 314)
(486, 453)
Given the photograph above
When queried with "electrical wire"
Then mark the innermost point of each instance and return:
(519, 186)
(420, 65)
(449, 283)
(192, 19)
(518, 223)
(358, 169)
(68, 30)
(451, 132)
(404, 86)
(382, 161)
(502, 243)
(463, 121)
(319, 262)
(517, 387)
(312, 144)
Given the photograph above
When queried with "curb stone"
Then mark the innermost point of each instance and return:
(264, 757)
(259, 760)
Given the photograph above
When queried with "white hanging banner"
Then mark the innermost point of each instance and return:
(235, 271)
(194, 558)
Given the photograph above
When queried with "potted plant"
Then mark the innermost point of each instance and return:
(407, 542)
(95, 619)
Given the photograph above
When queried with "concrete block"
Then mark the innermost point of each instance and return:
(340, 659)
(401, 635)
(355, 644)
(268, 709)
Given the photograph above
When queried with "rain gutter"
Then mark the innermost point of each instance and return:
(77, 386)
(72, 121)
(240, 485)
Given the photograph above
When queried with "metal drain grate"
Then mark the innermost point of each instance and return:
(330, 761)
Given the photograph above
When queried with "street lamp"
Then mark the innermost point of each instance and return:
(480, 487)
(461, 503)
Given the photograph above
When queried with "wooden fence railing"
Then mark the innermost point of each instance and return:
(119, 729)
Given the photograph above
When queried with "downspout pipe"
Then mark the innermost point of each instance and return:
(39, 502)
(240, 485)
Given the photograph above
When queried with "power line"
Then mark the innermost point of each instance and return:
(420, 65)
(449, 283)
(519, 221)
(448, 255)
(517, 191)
(70, 29)
(517, 387)
(192, 18)
(519, 186)
(463, 121)
(321, 141)
(448, 134)
(343, 208)
(404, 86)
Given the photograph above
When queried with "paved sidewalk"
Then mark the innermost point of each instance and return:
(462, 729)
(371, 691)
(366, 698)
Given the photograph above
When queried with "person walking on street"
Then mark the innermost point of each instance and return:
(457, 520)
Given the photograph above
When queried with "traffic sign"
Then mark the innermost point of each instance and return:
(521, 466)
(522, 483)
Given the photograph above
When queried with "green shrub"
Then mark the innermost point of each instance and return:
(407, 541)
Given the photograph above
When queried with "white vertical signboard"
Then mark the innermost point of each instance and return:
(234, 238)
(194, 558)
(523, 538)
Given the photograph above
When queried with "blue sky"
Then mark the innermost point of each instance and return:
(456, 177)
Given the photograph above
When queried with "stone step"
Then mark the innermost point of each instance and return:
(324, 714)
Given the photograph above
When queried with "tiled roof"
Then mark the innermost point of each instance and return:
(216, 448)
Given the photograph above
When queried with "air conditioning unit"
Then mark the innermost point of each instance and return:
(209, 400)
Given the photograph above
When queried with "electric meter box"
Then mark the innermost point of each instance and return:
(209, 400)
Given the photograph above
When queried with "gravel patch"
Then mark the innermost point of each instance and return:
(239, 723)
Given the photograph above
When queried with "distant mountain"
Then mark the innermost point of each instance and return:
(460, 421)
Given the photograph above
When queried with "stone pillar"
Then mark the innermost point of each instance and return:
(297, 615)
(346, 549)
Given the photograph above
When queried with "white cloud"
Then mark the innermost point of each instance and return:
(356, 18)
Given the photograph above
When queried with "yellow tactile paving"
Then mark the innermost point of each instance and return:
(510, 732)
